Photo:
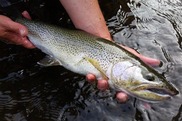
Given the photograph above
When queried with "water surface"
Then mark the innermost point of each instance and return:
(29, 92)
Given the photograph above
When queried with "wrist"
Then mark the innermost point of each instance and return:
(97, 29)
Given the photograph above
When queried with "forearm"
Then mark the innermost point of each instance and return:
(86, 15)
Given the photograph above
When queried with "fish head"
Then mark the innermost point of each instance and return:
(140, 81)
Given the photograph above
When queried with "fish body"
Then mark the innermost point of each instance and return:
(84, 53)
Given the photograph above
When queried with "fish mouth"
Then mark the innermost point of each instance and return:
(153, 93)
(163, 91)
(160, 89)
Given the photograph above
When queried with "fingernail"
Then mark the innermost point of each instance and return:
(90, 78)
(22, 32)
(121, 97)
(102, 85)
(28, 44)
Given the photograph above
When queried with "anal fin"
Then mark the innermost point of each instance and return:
(49, 61)
(96, 64)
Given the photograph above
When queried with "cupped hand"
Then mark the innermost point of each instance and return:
(14, 33)
(121, 96)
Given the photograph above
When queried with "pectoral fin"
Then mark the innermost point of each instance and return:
(49, 61)
(97, 66)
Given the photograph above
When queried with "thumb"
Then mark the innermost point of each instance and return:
(147, 60)
(8, 25)
(19, 29)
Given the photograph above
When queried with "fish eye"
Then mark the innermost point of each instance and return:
(150, 77)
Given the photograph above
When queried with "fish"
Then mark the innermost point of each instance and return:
(84, 53)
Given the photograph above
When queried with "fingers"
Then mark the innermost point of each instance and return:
(17, 28)
(7, 25)
(17, 34)
(13, 32)
(90, 78)
(147, 60)
(27, 44)
(103, 85)
(26, 15)
(121, 97)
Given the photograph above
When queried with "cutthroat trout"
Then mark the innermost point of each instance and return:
(84, 53)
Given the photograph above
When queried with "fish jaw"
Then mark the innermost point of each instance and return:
(150, 96)
(151, 92)
(132, 79)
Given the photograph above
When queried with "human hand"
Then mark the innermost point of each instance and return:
(121, 96)
(14, 33)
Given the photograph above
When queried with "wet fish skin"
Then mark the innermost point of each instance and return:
(84, 53)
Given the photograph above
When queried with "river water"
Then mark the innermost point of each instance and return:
(29, 92)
